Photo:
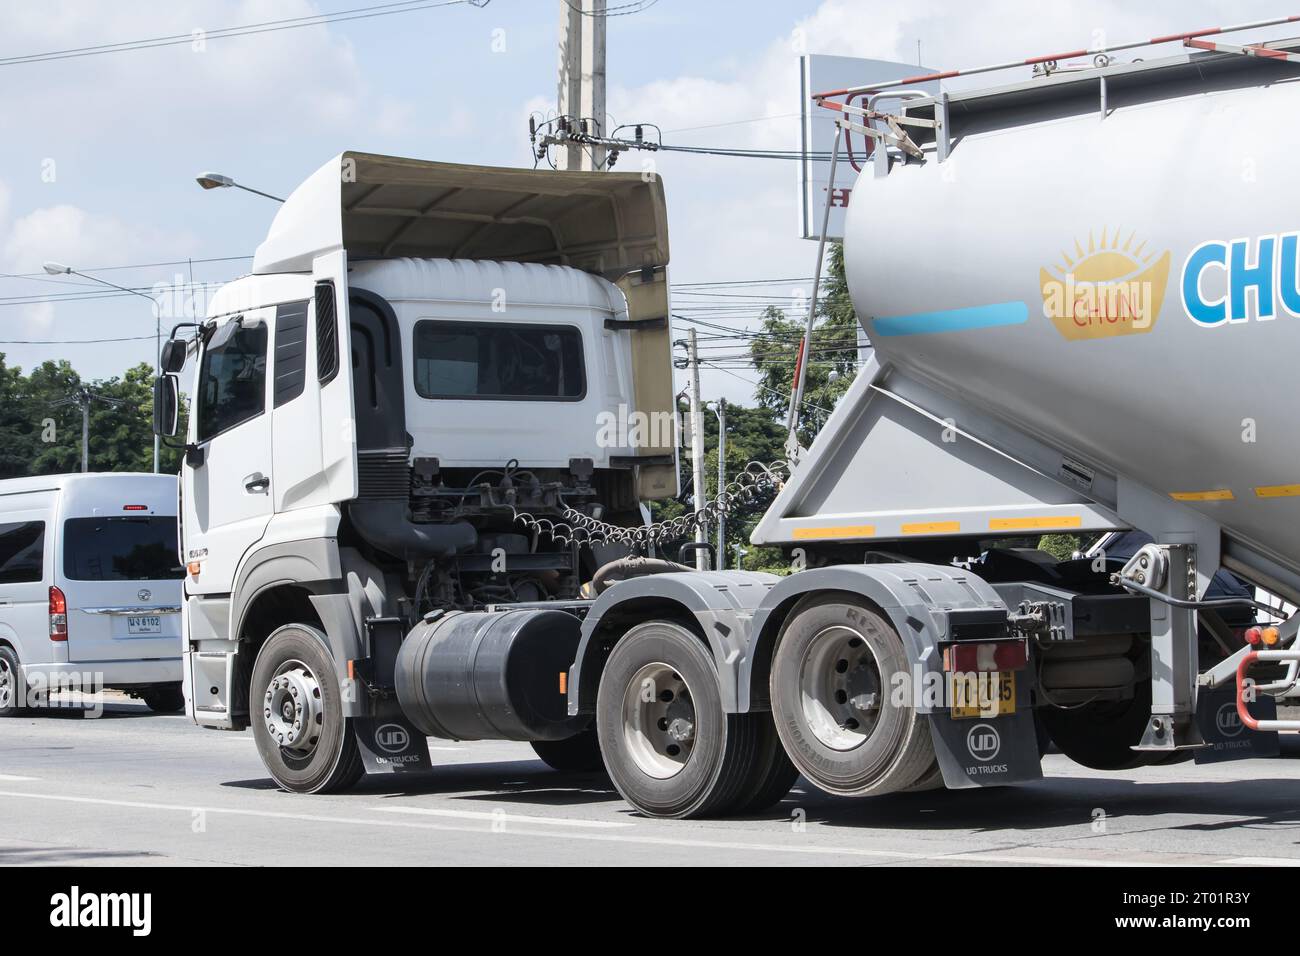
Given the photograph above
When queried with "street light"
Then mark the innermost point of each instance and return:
(218, 181)
(59, 269)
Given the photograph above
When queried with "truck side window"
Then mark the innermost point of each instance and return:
(232, 381)
(22, 552)
(499, 361)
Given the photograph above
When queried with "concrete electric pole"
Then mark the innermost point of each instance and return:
(698, 488)
(582, 78)
(722, 481)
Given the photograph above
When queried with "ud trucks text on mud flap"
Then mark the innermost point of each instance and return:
(400, 520)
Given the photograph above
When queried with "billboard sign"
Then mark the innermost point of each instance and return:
(818, 73)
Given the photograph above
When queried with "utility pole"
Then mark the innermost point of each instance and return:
(697, 450)
(722, 481)
(82, 397)
(582, 78)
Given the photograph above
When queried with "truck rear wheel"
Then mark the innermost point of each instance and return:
(296, 707)
(832, 703)
(669, 747)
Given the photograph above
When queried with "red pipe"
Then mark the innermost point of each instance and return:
(1243, 712)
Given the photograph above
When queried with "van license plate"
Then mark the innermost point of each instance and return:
(143, 625)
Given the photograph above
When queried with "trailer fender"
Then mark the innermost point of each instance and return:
(922, 601)
(927, 604)
(718, 604)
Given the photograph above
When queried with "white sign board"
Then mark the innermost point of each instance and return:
(817, 74)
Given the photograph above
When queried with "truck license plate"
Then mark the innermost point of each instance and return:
(971, 695)
(144, 625)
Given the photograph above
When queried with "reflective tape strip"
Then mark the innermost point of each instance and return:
(840, 531)
(1218, 494)
(932, 527)
(1029, 524)
(1278, 491)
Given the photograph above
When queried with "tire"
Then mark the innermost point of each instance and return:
(10, 675)
(1101, 735)
(577, 754)
(669, 747)
(832, 656)
(296, 657)
(773, 774)
(164, 699)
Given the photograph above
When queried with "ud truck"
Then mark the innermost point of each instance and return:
(402, 517)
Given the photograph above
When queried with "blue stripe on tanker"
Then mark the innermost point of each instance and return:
(953, 320)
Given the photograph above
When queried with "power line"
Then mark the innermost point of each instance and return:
(619, 11)
(247, 29)
(133, 265)
(129, 338)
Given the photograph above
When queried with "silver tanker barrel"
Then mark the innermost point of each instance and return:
(1084, 302)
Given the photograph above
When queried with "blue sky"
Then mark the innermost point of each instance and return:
(101, 151)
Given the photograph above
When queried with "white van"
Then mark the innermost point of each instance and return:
(90, 588)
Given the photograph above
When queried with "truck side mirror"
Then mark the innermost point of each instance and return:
(172, 359)
(166, 404)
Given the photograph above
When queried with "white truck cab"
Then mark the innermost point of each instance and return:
(90, 588)
(429, 371)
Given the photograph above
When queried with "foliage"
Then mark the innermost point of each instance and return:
(38, 437)
(832, 357)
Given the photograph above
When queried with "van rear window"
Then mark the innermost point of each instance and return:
(22, 552)
(121, 549)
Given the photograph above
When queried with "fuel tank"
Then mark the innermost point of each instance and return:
(1126, 287)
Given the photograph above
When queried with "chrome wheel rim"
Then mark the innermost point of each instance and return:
(658, 721)
(293, 709)
(840, 688)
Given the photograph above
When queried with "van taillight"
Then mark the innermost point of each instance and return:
(58, 615)
(135, 507)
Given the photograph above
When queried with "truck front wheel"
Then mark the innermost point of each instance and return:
(832, 683)
(296, 710)
(669, 747)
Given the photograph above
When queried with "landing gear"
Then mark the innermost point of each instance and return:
(304, 740)
(669, 747)
(831, 700)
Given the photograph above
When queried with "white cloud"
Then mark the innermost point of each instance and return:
(81, 239)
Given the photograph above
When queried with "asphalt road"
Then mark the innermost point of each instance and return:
(136, 788)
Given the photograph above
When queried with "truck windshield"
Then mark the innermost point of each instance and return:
(121, 549)
(497, 360)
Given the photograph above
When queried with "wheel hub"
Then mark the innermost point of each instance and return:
(293, 709)
(7, 684)
(658, 721)
(840, 688)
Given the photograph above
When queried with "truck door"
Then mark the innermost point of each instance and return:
(227, 480)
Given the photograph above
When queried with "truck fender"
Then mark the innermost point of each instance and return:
(342, 587)
(719, 602)
(920, 600)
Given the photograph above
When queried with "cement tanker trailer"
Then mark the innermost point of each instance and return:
(1083, 293)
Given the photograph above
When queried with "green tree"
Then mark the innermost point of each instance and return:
(40, 437)
(832, 355)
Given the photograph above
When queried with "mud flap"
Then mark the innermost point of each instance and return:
(1222, 729)
(391, 745)
(987, 752)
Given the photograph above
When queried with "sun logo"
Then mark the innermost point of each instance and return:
(1106, 290)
